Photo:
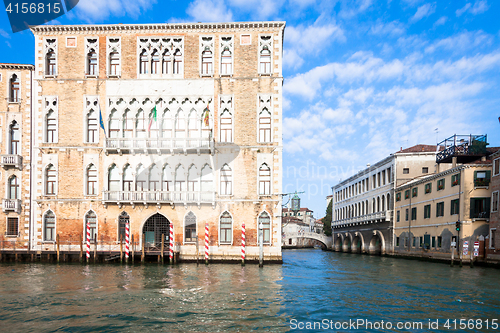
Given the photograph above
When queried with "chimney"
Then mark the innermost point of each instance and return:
(483, 158)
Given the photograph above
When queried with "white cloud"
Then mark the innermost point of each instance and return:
(4, 34)
(209, 11)
(441, 21)
(423, 11)
(480, 6)
(355, 8)
(259, 9)
(463, 41)
(92, 10)
(393, 28)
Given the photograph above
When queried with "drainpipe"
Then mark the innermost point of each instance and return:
(31, 219)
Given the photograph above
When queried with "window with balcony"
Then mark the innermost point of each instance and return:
(398, 196)
(193, 184)
(455, 207)
(265, 221)
(167, 178)
(140, 125)
(141, 178)
(13, 188)
(180, 125)
(264, 180)
(482, 178)
(91, 180)
(123, 221)
(207, 179)
(427, 211)
(14, 138)
(226, 228)
(50, 180)
(190, 228)
(166, 63)
(14, 89)
(428, 188)
(265, 125)
(49, 227)
(12, 229)
(480, 208)
(180, 182)
(113, 179)
(143, 62)
(114, 124)
(414, 192)
(440, 184)
(90, 226)
(440, 209)
(194, 123)
(226, 186)
(128, 179)
(455, 180)
(166, 124)
(155, 62)
(407, 194)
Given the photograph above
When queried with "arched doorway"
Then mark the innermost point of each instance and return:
(376, 245)
(338, 243)
(357, 245)
(152, 230)
(346, 246)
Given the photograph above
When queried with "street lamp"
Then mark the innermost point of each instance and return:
(295, 204)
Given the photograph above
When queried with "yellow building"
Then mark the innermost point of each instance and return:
(193, 136)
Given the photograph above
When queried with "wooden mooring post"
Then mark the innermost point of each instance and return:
(58, 247)
(81, 248)
(162, 246)
(121, 249)
(133, 246)
(95, 248)
(143, 257)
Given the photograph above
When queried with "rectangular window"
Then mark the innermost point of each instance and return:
(12, 226)
(421, 241)
(455, 180)
(414, 192)
(92, 181)
(397, 241)
(407, 194)
(455, 207)
(440, 184)
(265, 53)
(425, 170)
(406, 171)
(414, 243)
(414, 213)
(226, 230)
(428, 188)
(406, 215)
(440, 209)
(397, 216)
(398, 196)
(494, 201)
(496, 167)
(50, 228)
(433, 239)
(440, 241)
(226, 61)
(427, 211)
(492, 238)
(482, 178)
(265, 126)
(480, 208)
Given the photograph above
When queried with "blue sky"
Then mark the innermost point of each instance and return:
(362, 78)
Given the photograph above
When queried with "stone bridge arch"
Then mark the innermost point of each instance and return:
(325, 240)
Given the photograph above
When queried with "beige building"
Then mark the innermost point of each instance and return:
(16, 83)
(193, 136)
(493, 239)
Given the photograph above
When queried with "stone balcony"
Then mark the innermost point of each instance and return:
(158, 197)
(159, 145)
(11, 205)
(11, 161)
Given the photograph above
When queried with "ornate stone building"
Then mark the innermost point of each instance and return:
(192, 136)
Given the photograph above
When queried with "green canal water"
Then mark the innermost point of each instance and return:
(313, 291)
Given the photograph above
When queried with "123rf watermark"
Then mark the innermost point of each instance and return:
(365, 324)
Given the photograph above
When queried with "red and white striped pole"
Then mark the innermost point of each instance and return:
(243, 244)
(127, 241)
(206, 243)
(171, 243)
(88, 242)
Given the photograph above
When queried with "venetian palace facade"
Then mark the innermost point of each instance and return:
(192, 137)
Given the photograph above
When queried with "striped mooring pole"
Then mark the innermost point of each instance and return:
(171, 243)
(127, 241)
(206, 243)
(88, 242)
(243, 244)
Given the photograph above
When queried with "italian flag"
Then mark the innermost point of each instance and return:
(153, 117)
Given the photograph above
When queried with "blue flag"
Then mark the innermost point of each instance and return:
(100, 120)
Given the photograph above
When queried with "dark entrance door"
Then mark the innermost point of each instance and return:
(154, 227)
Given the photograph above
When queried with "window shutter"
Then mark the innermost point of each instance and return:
(472, 203)
(475, 175)
(487, 203)
(488, 174)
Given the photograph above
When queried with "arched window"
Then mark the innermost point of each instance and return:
(49, 227)
(51, 127)
(193, 184)
(265, 126)
(14, 188)
(207, 179)
(114, 179)
(167, 178)
(264, 180)
(140, 125)
(388, 201)
(155, 62)
(193, 125)
(265, 220)
(226, 180)
(92, 180)
(226, 228)
(143, 62)
(14, 96)
(50, 61)
(128, 125)
(155, 178)
(166, 62)
(92, 63)
(190, 228)
(141, 179)
(92, 127)
(114, 64)
(50, 180)
(166, 124)
(178, 62)
(180, 125)
(114, 124)
(91, 221)
(123, 220)
(206, 62)
(153, 125)
(15, 137)
(265, 61)
(226, 62)
(128, 179)
(226, 126)
(180, 182)
(383, 203)
(378, 204)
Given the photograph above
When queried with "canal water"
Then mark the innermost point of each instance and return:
(312, 291)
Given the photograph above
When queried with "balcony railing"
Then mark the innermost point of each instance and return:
(11, 205)
(379, 216)
(15, 161)
(159, 197)
(162, 144)
(463, 146)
